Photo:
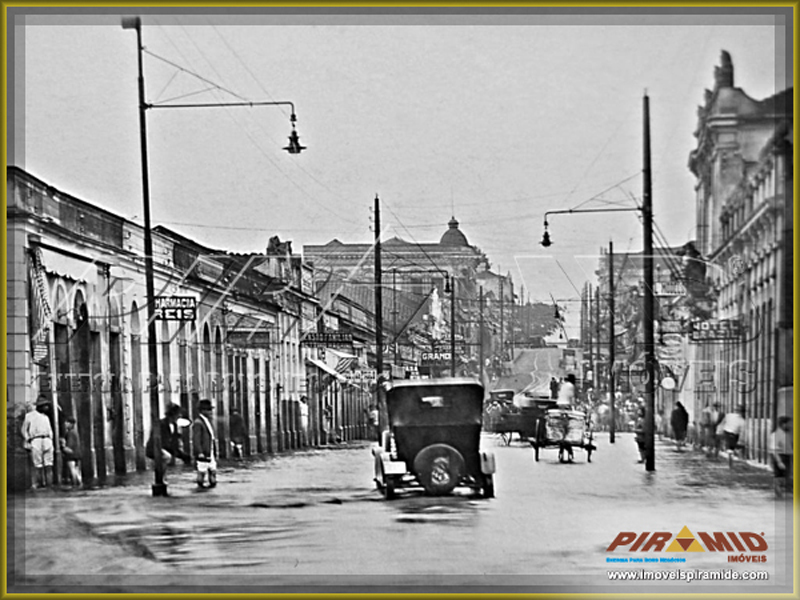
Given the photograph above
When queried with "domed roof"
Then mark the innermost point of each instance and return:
(453, 236)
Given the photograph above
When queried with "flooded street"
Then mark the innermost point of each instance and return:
(314, 520)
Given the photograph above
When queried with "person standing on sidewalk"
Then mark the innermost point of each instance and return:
(237, 433)
(204, 445)
(303, 421)
(659, 423)
(679, 420)
(37, 434)
(71, 449)
(710, 419)
(638, 430)
(731, 428)
(781, 453)
(170, 438)
(553, 388)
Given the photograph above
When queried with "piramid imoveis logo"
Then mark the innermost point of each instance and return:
(685, 541)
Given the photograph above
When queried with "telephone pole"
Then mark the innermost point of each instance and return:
(378, 310)
(649, 343)
(480, 331)
(611, 341)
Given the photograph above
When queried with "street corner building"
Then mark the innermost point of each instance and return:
(724, 299)
(230, 328)
(745, 224)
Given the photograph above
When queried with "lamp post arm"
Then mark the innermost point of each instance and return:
(223, 104)
(588, 210)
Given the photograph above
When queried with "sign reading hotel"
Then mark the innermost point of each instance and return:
(724, 330)
(175, 308)
(331, 339)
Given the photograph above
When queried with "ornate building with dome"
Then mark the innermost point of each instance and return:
(420, 280)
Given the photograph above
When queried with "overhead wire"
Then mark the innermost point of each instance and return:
(264, 89)
(230, 114)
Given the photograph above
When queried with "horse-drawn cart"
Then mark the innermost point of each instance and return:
(565, 430)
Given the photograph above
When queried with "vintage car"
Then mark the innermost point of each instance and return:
(518, 413)
(433, 438)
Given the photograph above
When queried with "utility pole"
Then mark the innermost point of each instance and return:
(528, 311)
(159, 487)
(480, 331)
(591, 339)
(502, 347)
(513, 319)
(611, 341)
(452, 326)
(394, 313)
(378, 311)
(649, 345)
(599, 361)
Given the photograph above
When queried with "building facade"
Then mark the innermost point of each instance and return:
(743, 163)
(229, 328)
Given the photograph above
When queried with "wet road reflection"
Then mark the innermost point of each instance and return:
(318, 513)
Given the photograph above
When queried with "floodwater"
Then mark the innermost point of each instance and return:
(313, 521)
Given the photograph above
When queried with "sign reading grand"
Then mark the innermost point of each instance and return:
(435, 358)
(175, 308)
(330, 339)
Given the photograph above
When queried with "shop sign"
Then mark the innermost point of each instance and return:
(669, 288)
(712, 330)
(249, 338)
(435, 358)
(362, 375)
(330, 339)
(175, 308)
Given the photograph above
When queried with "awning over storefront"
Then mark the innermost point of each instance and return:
(340, 361)
(330, 371)
(66, 265)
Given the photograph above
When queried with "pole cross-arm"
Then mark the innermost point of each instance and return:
(223, 104)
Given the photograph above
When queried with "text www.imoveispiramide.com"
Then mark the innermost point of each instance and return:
(688, 575)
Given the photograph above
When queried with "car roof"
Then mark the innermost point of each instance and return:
(401, 383)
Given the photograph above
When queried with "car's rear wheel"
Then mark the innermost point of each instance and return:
(439, 468)
(389, 488)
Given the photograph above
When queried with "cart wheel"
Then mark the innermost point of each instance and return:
(439, 468)
(488, 486)
(378, 473)
(389, 488)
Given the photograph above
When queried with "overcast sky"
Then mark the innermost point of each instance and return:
(494, 119)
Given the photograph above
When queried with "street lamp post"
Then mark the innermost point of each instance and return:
(159, 487)
(648, 310)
